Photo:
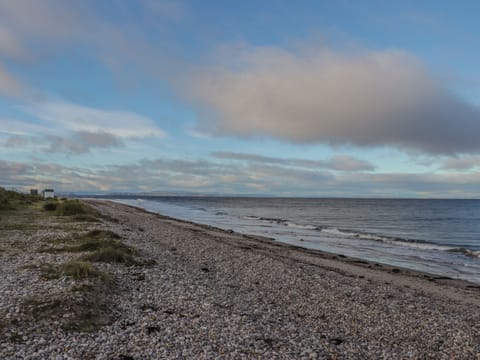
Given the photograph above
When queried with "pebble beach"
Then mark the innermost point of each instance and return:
(204, 293)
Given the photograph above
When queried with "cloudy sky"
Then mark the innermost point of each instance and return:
(304, 98)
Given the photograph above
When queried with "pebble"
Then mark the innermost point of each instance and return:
(215, 297)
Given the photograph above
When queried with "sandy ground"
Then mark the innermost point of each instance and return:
(219, 294)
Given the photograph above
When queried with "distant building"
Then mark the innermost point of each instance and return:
(48, 193)
(34, 192)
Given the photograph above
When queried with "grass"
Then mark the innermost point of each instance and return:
(84, 305)
(11, 200)
(50, 206)
(75, 208)
(86, 218)
(111, 255)
(94, 240)
(76, 269)
(75, 313)
(102, 246)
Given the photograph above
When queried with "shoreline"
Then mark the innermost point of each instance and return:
(363, 263)
(200, 292)
(436, 259)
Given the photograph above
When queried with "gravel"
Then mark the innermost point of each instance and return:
(216, 294)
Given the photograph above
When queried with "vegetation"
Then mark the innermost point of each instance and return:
(102, 246)
(87, 312)
(111, 255)
(83, 305)
(50, 206)
(75, 207)
(75, 269)
(75, 313)
(94, 240)
(10, 200)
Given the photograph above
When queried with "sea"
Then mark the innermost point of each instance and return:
(440, 237)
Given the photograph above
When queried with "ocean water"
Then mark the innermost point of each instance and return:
(440, 237)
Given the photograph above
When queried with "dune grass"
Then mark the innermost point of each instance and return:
(74, 208)
(11, 200)
(75, 269)
(111, 255)
(92, 241)
(50, 206)
(84, 313)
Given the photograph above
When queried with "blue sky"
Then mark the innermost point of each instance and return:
(305, 98)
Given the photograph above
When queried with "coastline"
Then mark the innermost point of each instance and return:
(338, 261)
(213, 293)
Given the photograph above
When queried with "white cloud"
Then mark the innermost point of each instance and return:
(325, 96)
(23, 128)
(78, 118)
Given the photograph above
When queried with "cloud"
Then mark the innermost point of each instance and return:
(205, 176)
(338, 162)
(349, 163)
(461, 163)
(17, 141)
(9, 85)
(32, 30)
(366, 99)
(166, 9)
(46, 19)
(78, 118)
(9, 44)
(82, 142)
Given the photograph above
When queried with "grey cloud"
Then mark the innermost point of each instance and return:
(210, 177)
(349, 163)
(166, 9)
(338, 162)
(461, 163)
(9, 85)
(17, 141)
(9, 44)
(366, 99)
(82, 142)
(57, 24)
(50, 19)
(98, 139)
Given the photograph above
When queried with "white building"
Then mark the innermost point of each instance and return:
(48, 193)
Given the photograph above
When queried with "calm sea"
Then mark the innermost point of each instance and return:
(440, 237)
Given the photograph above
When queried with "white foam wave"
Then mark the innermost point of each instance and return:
(298, 226)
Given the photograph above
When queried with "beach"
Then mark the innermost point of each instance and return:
(200, 292)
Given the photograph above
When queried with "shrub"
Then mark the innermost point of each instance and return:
(111, 255)
(74, 207)
(76, 269)
(50, 206)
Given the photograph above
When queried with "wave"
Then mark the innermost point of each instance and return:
(467, 252)
(352, 234)
(271, 220)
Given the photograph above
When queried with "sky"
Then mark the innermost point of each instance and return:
(312, 98)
